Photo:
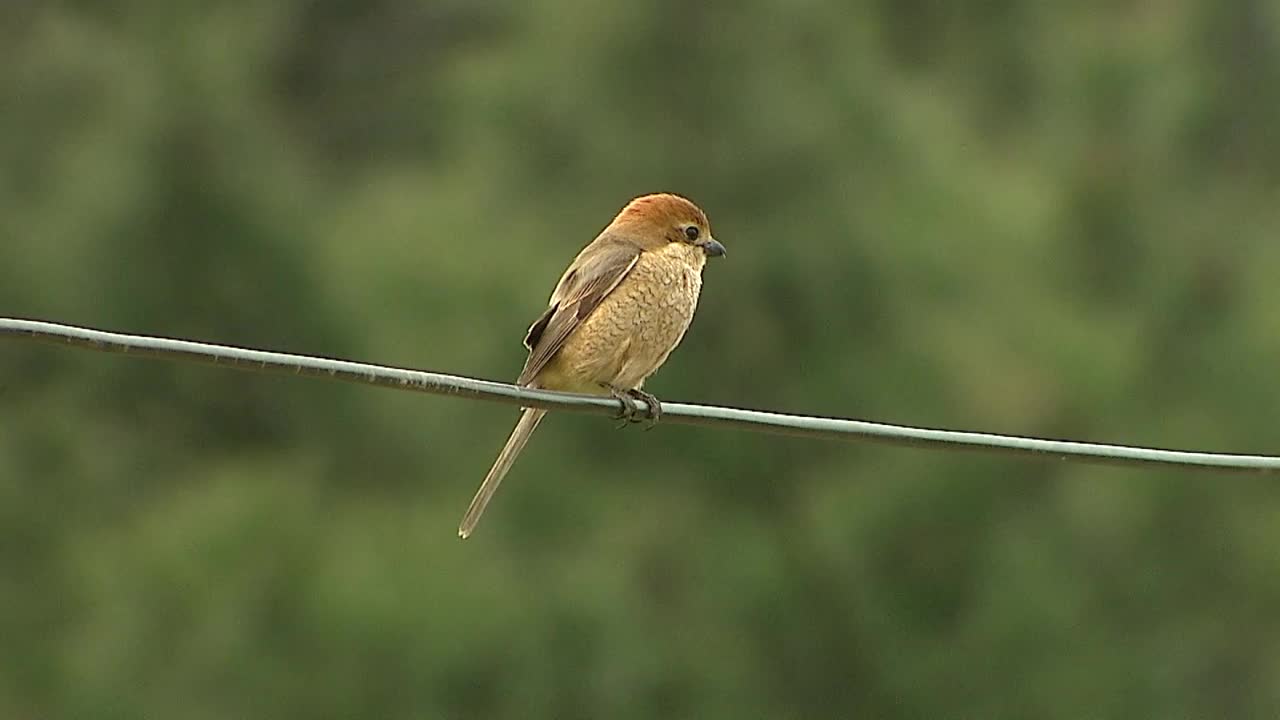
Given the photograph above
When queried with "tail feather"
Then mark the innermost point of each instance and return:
(529, 420)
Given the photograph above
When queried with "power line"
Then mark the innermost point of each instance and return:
(680, 413)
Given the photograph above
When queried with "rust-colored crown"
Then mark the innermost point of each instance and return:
(662, 208)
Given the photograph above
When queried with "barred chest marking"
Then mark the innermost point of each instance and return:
(637, 326)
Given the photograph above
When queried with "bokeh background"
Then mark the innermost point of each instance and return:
(1034, 218)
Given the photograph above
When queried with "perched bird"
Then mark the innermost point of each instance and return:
(616, 314)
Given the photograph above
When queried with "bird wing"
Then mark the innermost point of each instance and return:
(593, 275)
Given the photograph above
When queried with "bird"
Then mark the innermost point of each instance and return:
(618, 311)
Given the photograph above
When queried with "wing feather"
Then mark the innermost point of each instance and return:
(593, 275)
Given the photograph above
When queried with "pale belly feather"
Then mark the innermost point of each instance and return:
(631, 333)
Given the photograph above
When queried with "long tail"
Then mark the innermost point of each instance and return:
(529, 420)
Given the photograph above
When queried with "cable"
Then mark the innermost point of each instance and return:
(679, 413)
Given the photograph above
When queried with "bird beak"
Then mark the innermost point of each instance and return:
(713, 248)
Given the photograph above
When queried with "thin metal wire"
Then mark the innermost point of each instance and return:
(681, 413)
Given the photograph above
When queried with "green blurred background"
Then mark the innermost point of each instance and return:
(1019, 217)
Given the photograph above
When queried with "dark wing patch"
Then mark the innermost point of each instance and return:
(538, 327)
(596, 272)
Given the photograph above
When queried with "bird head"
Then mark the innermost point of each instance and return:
(653, 221)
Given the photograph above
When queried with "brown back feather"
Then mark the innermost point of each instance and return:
(593, 275)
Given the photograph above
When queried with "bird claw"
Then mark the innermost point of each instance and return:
(627, 411)
(654, 413)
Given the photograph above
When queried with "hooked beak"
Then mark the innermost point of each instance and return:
(713, 248)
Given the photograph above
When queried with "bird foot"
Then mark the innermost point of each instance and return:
(627, 412)
(654, 407)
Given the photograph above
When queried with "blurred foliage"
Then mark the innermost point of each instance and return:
(1019, 217)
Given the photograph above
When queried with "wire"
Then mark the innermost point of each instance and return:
(680, 413)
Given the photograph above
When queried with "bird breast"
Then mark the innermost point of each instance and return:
(633, 330)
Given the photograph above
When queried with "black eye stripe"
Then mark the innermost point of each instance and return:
(691, 232)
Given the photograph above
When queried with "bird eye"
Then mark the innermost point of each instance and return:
(691, 232)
